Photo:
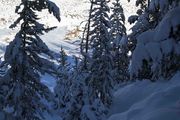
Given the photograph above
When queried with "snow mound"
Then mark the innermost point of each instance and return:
(144, 100)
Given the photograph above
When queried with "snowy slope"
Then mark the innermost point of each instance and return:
(144, 100)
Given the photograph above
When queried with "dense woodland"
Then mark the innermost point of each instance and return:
(109, 57)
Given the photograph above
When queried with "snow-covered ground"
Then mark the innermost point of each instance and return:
(146, 100)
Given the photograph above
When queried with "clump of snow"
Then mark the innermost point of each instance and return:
(49, 81)
(144, 100)
(140, 53)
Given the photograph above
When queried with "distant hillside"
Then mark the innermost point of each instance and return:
(72, 12)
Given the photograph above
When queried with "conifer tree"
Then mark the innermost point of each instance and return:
(117, 18)
(73, 91)
(79, 107)
(100, 78)
(76, 94)
(119, 42)
(21, 88)
(62, 87)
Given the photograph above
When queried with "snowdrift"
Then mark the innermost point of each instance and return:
(144, 100)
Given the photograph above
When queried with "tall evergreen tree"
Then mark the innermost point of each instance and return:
(21, 88)
(117, 18)
(93, 84)
(119, 42)
(101, 60)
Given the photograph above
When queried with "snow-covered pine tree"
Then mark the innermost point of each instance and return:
(100, 78)
(78, 107)
(84, 105)
(24, 95)
(157, 52)
(61, 89)
(76, 102)
(63, 58)
(75, 93)
(119, 42)
(117, 18)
